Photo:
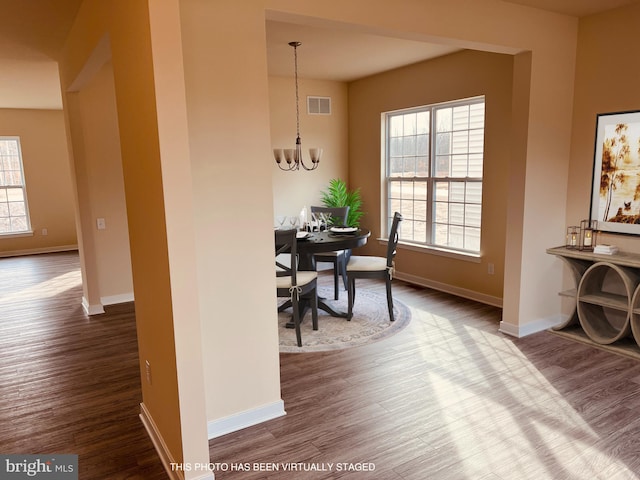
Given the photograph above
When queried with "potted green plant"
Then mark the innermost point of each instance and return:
(337, 195)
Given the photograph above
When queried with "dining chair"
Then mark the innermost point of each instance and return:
(338, 258)
(294, 283)
(374, 267)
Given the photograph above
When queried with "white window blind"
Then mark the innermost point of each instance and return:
(14, 214)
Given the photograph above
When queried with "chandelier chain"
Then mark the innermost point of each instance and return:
(293, 156)
(295, 67)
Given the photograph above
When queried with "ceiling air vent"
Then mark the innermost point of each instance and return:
(319, 105)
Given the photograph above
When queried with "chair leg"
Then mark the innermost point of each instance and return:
(351, 293)
(389, 300)
(296, 320)
(335, 280)
(314, 309)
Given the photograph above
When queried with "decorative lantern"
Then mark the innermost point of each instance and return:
(573, 237)
(588, 234)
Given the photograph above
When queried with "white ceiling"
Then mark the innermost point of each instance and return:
(575, 8)
(340, 53)
(358, 54)
(33, 32)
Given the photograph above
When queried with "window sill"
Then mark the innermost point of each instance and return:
(443, 252)
(16, 235)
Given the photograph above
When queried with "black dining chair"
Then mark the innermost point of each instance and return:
(374, 267)
(339, 258)
(294, 283)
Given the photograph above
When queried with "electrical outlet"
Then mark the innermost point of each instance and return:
(147, 367)
(490, 269)
(45, 232)
(101, 224)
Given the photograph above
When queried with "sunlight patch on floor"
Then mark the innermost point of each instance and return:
(490, 394)
(46, 289)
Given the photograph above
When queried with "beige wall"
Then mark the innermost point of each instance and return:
(151, 115)
(227, 98)
(461, 75)
(606, 81)
(500, 28)
(294, 190)
(232, 162)
(49, 191)
(105, 188)
(153, 301)
(230, 111)
(231, 156)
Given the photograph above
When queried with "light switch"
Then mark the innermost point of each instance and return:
(101, 224)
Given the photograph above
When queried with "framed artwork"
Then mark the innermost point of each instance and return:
(615, 192)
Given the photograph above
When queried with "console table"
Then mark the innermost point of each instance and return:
(606, 294)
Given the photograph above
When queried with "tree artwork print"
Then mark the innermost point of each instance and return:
(616, 180)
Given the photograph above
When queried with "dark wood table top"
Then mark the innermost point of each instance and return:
(319, 242)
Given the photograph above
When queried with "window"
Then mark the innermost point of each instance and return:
(14, 216)
(433, 164)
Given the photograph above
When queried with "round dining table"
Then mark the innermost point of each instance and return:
(320, 242)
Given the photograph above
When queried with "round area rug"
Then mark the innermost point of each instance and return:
(369, 324)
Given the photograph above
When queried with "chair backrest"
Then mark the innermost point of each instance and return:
(285, 242)
(338, 214)
(393, 239)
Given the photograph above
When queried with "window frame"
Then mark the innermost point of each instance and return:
(431, 179)
(23, 187)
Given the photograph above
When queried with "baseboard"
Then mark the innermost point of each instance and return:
(115, 299)
(37, 251)
(89, 309)
(248, 418)
(158, 442)
(98, 308)
(530, 328)
(453, 290)
(163, 452)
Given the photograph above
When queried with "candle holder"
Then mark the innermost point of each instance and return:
(588, 234)
(573, 237)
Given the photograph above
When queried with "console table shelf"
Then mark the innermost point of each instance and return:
(617, 302)
(571, 293)
(623, 259)
(607, 294)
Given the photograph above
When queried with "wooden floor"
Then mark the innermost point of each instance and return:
(447, 398)
(69, 384)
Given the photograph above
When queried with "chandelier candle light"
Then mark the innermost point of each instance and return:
(293, 156)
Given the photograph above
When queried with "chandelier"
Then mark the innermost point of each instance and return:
(293, 156)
